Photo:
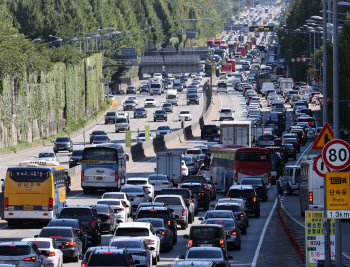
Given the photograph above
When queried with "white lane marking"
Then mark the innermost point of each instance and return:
(257, 251)
(301, 156)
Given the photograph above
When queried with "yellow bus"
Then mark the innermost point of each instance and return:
(34, 191)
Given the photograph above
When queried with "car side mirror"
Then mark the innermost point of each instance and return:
(186, 236)
(137, 262)
(181, 257)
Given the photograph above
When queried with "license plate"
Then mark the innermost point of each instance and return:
(99, 178)
(12, 262)
(28, 208)
(205, 245)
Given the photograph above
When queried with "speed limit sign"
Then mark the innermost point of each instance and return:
(319, 166)
(336, 154)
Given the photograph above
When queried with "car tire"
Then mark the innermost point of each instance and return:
(257, 214)
(154, 261)
(244, 231)
(154, 120)
(289, 190)
(239, 246)
(190, 218)
(183, 226)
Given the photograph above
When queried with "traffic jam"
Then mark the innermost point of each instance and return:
(197, 205)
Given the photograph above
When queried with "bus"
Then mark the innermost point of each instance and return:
(227, 68)
(231, 163)
(233, 64)
(103, 167)
(210, 43)
(217, 42)
(34, 192)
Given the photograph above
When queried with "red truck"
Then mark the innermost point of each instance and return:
(227, 68)
(233, 64)
(242, 50)
(210, 43)
(218, 42)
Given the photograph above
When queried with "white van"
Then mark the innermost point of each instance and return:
(311, 192)
(171, 96)
(289, 180)
(266, 87)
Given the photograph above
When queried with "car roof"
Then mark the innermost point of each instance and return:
(134, 225)
(32, 239)
(18, 243)
(241, 187)
(153, 208)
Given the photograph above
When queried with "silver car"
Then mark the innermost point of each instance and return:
(159, 182)
(47, 156)
(214, 254)
(136, 194)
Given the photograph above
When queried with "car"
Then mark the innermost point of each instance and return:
(105, 256)
(200, 192)
(192, 98)
(185, 115)
(119, 195)
(140, 113)
(118, 208)
(290, 180)
(143, 88)
(301, 135)
(311, 133)
(20, 254)
(160, 115)
(203, 170)
(96, 133)
(217, 255)
(163, 130)
(66, 237)
(223, 75)
(138, 249)
(141, 181)
(231, 228)
(190, 163)
(76, 225)
(101, 139)
(184, 168)
(136, 194)
(47, 156)
(88, 217)
(141, 137)
(248, 193)
(294, 141)
(238, 211)
(129, 105)
(177, 203)
(76, 158)
(149, 103)
(108, 217)
(143, 230)
(159, 182)
(110, 117)
(53, 255)
(163, 231)
(208, 131)
(226, 114)
(121, 124)
(259, 185)
(292, 153)
(168, 107)
(130, 90)
(63, 143)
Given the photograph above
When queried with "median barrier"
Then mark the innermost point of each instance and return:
(159, 144)
(137, 152)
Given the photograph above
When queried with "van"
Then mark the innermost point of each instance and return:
(289, 180)
(121, 124)
(266, 87)
(171, 96)
(156, 87)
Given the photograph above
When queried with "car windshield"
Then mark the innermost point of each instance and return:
(136, 182)
(98, 133)
(77, 153)
(169, 200)
(121, 120)
(56, 232)
(14, 250)
(266, 138)
(76, 213)
(42, 244)
(101, 209)
(108, 259)
(240, 193)
(140, 110)
(62, 139)
(225, 223)
(132, 232)
(154, 213)
(218, 214)
(109, 202)
(158, 177)
(68, 223)
(100, 138)
(155, 223)
(193, 188)
(290, 140)
(149, 99)
(46, 155)
(126, 244)
(160, 112)
(206, 233)
(193, 151)
(234, 208)
(110, 114)
(131, 190)
(184, 112)
(255, 182)
(115, 196)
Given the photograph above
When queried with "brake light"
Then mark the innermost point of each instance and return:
(30, 259)
(6, 203)
(163, 232)
(236, 177)
(183, 169)
(309, 122)
(71, 243)
(119, 209)
(82, 176)
(183, 212)
(269, 178)
(222, 243)
(50, 203)
(78, 232)
(116, 176)
(311, 197)
(211, 187)
(292, 151)
(179, 186)
(242, 215)
(146, 187)
(169, 222)
(93, 224)
(150, 242)
(232, 233)
(51, 254)
(165, 183)
(190, 243)
(254, 199)
(205, 186)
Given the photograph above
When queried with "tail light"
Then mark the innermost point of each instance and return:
(179, 186)
(83, 265)
(169, 222)
(183, 212)
(254, 200)
(236, 177)
(93, 224)
(222, 243)
(51, 254)
(200, 173)
(6, 203)
(269, 178)
(119, 209)
(71, 243)
(205, 186)
(211, 187)
(78, 232)
(232, 233)
(150, 242)
(242, 215)
(183, 169)
(311, 197)
(309, 122)
(50, 203)
(292, 151)
(165, 183)
(82, 176)
(163, 232)
(30, 259)
(116, 176)
(190, 243)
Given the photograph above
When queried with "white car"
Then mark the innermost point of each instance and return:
(199, 76)
(134, 98)
(224, 76)
(139, 230)
(118, 207)
(142, 181)
(121, 196)
(150, 103)
(194, 153)
(47, 156)
(158, 76)
(159, 182)
(213, 254)
(185, 115)
(184, 168)
(226, 114)
(53, 256)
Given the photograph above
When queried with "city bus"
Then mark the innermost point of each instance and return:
(103, 167)
(34, 191)
(231, 163)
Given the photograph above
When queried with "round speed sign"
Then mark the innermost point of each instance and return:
(336, 154)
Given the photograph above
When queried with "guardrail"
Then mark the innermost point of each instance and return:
(289, 227)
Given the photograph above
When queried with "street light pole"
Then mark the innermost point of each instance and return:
(325, 34)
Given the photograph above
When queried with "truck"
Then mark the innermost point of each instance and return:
(236, 133)
(233, 64)
(227, 68)
(210, 43)
(171, 96)
(263, 78)
(286, 83)
(169, 163)
(177, 85)
(257, 131)
(155, 86)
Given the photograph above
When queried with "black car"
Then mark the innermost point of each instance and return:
(248, 193)
(67, 238)
(208, 131)
(95, 133)
(130, 90)
(144, 88)
(292, 153)
(165, 234)
(301, 135)
(63, 143)
(110, 117)
(280, 149)
(201, 194)
(259, 186)
(101, 139)
(111, 255)
(107, 216)
(75, 224)
(160, 115)
(159, 212)
(140, 113)
(193, 98)
(88, 217)
(207, 183)
(75, 158)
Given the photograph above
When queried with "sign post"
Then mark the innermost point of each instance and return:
(147, 132)
(128, 138)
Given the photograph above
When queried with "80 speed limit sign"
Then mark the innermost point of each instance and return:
(336, 154)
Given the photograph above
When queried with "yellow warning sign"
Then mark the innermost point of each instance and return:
(318, 78)
(323, 138)
(338, 191)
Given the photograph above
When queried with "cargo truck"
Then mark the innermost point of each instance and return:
(236, 133)
(286, 84)
(169, 163)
